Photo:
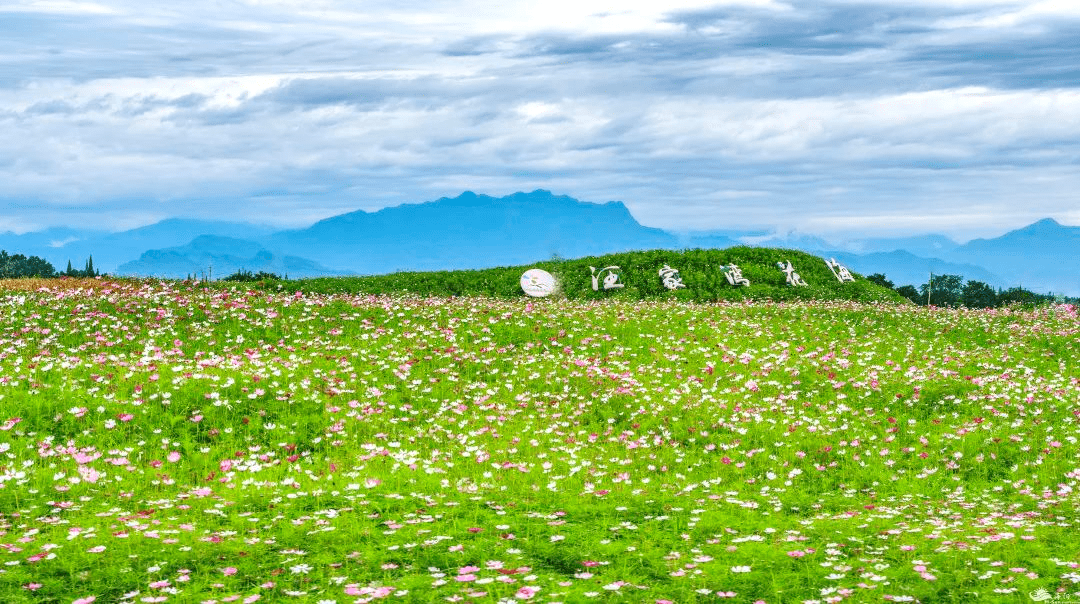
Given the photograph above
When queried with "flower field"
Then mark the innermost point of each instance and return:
(162, 442)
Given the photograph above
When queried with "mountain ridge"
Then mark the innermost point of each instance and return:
(474, 230)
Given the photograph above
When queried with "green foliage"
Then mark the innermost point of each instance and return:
(1018, 295)
(87, 271)
(943, 290)
(977, 294)
(952, 291)
(700, 271)
(881, 280)
(18, 265)
(244, 275)
(909, 292)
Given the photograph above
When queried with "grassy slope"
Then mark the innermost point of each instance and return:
(699, 270)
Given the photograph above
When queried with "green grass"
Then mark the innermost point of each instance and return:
(700, 271)
(239, 443)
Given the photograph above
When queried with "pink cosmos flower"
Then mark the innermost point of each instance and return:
(86, 600)
(173, 457)
(527, 592)
(229, 571)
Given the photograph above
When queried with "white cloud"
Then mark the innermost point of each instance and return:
(63, 7)
(805, 112)
(1014, 14)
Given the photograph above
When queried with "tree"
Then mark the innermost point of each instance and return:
(881, 280)
(38, 267)
(18, 265)
(909, 292)
(1017, 295)
(977, 294)
(943, 290)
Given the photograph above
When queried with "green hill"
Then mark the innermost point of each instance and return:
(700, 271)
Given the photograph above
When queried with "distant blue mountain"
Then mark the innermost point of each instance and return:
(928, 246)
(476, 231)
(1044, 257)
(471, 231)
(905, 268)
(110, 250)
(217, 257)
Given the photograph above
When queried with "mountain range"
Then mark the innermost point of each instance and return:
(479, 231)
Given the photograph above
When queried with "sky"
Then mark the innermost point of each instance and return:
(829, 117)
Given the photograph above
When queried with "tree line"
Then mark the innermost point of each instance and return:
(953, 291)
(15, 266)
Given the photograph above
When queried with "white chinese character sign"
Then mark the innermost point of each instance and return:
(734, 275)
(537, 283)
(671, 278)
(839, 270)
(610, 280)
(793, 278)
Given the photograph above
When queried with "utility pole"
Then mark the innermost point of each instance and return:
(929, 288)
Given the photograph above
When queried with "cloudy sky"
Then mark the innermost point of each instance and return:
(828, 116)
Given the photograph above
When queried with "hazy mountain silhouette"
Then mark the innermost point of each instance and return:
(477, 231)
(217, 257)
(905, 268)
(1044, 256)
(471, 231)
(927, 246)
(110, 250)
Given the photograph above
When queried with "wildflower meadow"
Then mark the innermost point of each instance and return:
(172, 442)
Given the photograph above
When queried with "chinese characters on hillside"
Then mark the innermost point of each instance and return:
(793, 278)
(734, 275)
(841, 271)
(610, 280)
(538, 283)
(671, 278)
